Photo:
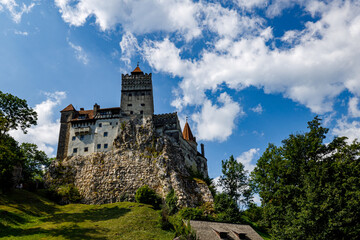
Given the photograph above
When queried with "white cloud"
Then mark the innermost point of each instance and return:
(248, 159)
(17, 32)
(129, 46)
(134, 16)
(217, 122)
(349, 129)
(79, 53)
(45, 134)
(313, 72)
(250, 4)
(257, 109)
(15, 10)
(353, 107)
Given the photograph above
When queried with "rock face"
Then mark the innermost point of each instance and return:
(140, 156)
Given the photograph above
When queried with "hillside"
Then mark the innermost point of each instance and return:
(25, 215)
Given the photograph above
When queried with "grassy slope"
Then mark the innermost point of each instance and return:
(24, 215)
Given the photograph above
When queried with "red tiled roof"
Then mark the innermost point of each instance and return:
(137, 70)
(68, 108)
(187, 134)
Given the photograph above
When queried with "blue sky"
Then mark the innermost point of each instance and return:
(245, 72)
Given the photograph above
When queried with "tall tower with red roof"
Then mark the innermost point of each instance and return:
(137, 93)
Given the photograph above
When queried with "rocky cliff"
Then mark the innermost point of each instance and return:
(140, 156)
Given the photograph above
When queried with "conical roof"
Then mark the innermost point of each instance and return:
(137, 70)
(68, 108)
(187, 134)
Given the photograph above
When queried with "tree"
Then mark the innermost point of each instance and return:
(10, 157)
(310, 190)
(34, 162)
(234, 181)
(15, 113)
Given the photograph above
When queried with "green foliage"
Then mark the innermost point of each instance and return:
(310, 190)
(10, 156)
(148, 196)
(64, 194)
(226, 209)
(35, 162)
(235, 182)
(15, 113)
(171, 201)
(192, 214)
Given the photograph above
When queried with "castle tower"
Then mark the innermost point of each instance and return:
(66, 115)
(137, 93)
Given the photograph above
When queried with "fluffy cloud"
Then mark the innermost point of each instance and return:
(248, 159)
(347, 128)
(134, 16)
(320, 64)
(45, 134)
(14, 9)
(217, 122)
(353, 107)
(79, 53)
(129, 46)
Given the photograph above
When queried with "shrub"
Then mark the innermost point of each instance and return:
(64, 194)
(148, 196)
(191, 214)
(171, 201)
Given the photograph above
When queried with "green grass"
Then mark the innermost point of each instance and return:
(25, 215)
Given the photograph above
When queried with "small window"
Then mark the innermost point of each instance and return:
(100, 125)
(110, 123)
(130, 94)
(82, 137)
(142, 94)
(105, 145)
(131, 112)
(73, 138)
(75, 150)
(129, 105)
(105, 134)
(86, 149)
(117, 123)
(141, 112)
(143, 104)
(98, 146)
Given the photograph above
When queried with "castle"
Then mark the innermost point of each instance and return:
(84, 132)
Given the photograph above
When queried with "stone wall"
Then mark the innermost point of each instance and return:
(140, 156)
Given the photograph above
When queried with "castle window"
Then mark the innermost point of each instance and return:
(141, 112)
(82, 137)
(75, 150)
(130, 94)
(143, 104)
(73, 138)
(131, 112)
(105, 145)
(105, 134)
(129, 105)
(98, 146)
(110, 123)
(86, 149)
(117, 123)
(100, 125)
(142, 94)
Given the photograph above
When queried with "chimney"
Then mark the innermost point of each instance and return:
(81, 109)
(96, 108)
(202, 149)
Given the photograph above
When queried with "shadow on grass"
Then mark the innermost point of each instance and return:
(28, 202)
(68, 232)
(93, 215)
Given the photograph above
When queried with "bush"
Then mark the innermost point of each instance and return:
(192, 214)
(148, 196)
(64, 194)
(171, 201)
(226, 209)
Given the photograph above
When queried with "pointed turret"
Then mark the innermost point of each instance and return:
(187, 134)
